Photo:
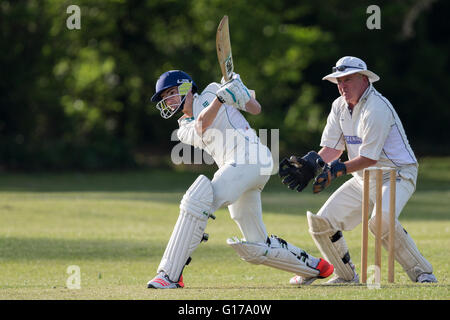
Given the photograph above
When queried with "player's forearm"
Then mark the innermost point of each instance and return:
(253, 106)
(329, 154)
(359, 163)
(207, 116)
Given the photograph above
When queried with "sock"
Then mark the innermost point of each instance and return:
(313, 262)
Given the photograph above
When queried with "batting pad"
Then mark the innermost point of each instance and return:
(406, 252)
(274, 255)
(331, 244)
(195, 209)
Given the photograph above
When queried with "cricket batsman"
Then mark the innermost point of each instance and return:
(213, 121)
(364, 123)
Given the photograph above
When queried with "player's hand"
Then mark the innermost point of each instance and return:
(234, 93)
(330, 172)
(233, 75)
(297, 172)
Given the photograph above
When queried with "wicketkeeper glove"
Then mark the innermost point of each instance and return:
(297, 172)
(330, 172)
(234, 93)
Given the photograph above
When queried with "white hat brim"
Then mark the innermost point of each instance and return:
(332, 77)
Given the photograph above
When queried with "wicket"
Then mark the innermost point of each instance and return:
(378, 223)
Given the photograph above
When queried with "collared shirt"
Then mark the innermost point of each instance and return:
(227, 138)
(372, 130)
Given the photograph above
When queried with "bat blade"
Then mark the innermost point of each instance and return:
(223, 46)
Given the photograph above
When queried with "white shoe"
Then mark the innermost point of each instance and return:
(337, 280)
(162, 281)
(325, 270)
(426, 277)
(299, 280)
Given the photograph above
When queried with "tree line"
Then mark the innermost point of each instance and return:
(80, 98)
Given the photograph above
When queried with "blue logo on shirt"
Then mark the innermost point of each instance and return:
(353, 139)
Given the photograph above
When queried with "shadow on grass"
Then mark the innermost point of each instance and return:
(422, 205)
(168, 186)
(26, 249)
(434, 175)
(131, 181)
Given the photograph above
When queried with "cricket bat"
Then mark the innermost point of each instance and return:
(223, 46)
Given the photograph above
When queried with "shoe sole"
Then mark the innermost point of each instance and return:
(151, 286)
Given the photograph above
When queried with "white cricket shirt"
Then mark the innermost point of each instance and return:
(372, 130)
(228, 139)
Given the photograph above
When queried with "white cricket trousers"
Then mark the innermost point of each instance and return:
(343, 208)
(239, 187)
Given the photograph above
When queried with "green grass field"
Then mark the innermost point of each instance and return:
(115, 226)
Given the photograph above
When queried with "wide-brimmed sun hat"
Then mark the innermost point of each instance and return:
(348, 65)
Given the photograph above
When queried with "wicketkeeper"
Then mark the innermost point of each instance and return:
(365, 124)
(212, 121)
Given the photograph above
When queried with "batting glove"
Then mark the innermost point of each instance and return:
(234, 93)
(330, 172)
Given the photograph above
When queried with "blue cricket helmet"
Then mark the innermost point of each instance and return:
(170, 79)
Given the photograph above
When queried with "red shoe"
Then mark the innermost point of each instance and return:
(325, 268)
(162, 281)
